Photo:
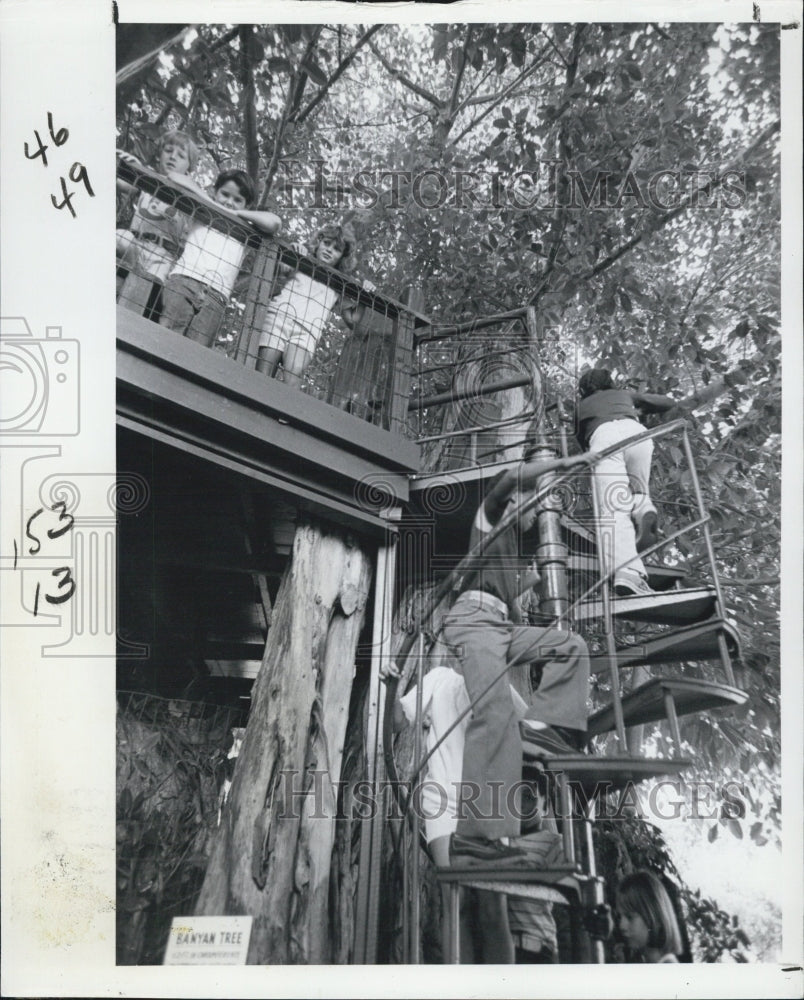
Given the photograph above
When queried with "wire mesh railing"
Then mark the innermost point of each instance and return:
(222, 280)
(475, 392)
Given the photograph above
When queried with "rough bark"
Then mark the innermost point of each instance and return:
(271, 857)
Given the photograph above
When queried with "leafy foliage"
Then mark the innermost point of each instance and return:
(171, 764)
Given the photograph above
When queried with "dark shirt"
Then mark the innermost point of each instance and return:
(504, 569)
(614, 404)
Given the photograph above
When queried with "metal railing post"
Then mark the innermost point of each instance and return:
(710, 552)
(611, 646)
(371, 833)
(415, 908)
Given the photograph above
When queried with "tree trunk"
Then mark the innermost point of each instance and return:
(271, 857)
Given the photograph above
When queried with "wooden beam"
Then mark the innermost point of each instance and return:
(158, 363)
(322, 505)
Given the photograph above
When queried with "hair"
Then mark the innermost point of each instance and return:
(643, 893)
(244, 184)
(593, 381)
(180, 139)
(345, 234)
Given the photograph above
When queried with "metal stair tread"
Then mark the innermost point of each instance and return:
(598, 775)
(659, 577)
(646, 703)
(698, 641)
(670, 607)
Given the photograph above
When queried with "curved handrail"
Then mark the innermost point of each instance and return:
(471, 561)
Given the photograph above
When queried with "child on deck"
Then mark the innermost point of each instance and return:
(199, 286)
(606, 416)
(153, 240)
(297, 316)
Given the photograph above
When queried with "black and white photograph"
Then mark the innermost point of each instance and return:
(414, 508)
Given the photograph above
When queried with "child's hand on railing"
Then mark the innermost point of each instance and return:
(266, 222)
(129, 158)
(390, 671)
(369, 286)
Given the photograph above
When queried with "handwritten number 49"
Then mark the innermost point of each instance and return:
(78, 172)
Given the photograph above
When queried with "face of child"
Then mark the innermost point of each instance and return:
(174, 159)
(635, 931)
(230, 196)
(329, 250)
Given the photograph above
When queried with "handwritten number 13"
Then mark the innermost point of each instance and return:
(65, 581)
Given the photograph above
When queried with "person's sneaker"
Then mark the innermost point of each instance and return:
(632, 586)
(546, 740)
(646, 523)
(482, 849)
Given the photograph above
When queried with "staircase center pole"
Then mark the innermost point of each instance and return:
(551, 552)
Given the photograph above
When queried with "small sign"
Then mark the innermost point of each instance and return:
(208, 941)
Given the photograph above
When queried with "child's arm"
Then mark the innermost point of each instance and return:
(130, 158)
(400, 719)
(354, 313)
(652, 402)
(266, 222)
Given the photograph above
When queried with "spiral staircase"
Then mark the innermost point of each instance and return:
(654, 658)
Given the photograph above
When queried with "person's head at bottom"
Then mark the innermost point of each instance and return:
(646, 918)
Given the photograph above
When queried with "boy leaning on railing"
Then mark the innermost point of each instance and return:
(200, 283)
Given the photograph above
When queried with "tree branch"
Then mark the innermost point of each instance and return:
(278, 137)
(405, 80)
(663, 220)
(339, 71)
(456, 83)
(470, 99)
(303, 76)
(246, 32)
(540, 58)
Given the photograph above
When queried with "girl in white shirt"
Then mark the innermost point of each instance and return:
(298, 315)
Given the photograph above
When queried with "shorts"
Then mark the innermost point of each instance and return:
(282, 331)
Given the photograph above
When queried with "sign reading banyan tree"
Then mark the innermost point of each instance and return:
(208, 941)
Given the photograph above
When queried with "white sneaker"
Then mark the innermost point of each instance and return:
(632, 586)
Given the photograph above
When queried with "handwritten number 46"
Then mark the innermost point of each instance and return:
(77, 172)
(59, 138)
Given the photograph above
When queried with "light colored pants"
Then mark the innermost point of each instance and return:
(486, 643)
(616, 480)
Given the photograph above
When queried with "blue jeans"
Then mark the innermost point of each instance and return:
(192, 308)
(486, 643)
